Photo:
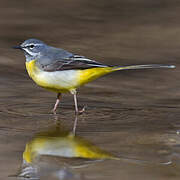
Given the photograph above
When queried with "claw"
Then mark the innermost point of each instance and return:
(82, 110)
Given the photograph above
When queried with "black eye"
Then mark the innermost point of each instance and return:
(31, 46)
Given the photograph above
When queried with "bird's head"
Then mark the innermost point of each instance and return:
(33, 48)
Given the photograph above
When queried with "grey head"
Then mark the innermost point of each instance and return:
(32, 48)
(37, 49)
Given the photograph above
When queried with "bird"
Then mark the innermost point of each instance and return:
(56, 147)
(57, 141)
(60, 71)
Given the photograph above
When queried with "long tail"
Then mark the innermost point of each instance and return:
(148, 66)
(91, 74)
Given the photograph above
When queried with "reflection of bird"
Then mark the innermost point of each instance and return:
(57, 142)
(61, 71)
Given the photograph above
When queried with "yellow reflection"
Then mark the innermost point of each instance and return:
(58, 142)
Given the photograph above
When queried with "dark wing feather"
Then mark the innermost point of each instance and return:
(72, 62)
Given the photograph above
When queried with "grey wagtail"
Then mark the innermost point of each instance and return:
(60, 71)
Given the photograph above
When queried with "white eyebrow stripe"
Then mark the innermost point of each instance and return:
(32, 44)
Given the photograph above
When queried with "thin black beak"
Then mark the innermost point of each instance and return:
(17, 47)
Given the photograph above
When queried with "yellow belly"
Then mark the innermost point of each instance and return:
(64, 81)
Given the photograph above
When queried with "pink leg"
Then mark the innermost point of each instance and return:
(57, 102)
(77, 112)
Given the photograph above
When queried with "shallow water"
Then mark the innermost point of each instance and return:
(131, 114)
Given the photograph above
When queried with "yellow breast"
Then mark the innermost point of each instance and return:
(31, 68)
(34, 72)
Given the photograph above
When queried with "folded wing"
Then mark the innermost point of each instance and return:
(72, 63)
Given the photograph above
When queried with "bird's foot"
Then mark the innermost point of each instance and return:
(54, 111)
(82, 110)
